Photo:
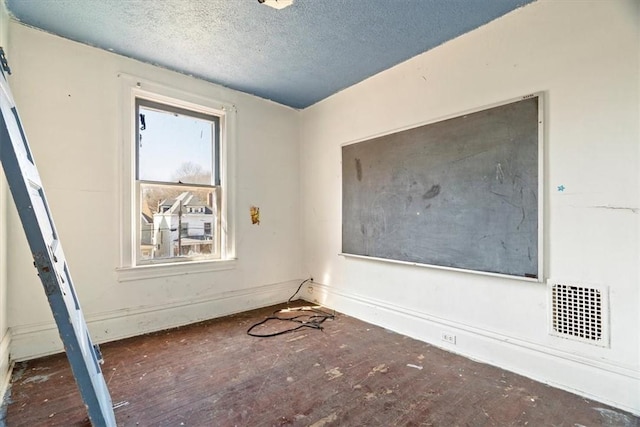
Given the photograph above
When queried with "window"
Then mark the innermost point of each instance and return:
(177, 200)
(178, 182)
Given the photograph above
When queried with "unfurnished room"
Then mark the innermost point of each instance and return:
(320, 213)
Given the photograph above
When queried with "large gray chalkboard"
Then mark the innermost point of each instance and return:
(460, 193)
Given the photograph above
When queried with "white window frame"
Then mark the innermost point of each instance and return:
(214, 185)
(129, 268)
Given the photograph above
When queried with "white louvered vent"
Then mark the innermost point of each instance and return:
(580, 313)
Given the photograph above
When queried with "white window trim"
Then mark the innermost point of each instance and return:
(132, 87)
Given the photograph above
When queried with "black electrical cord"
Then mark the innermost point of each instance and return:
(313, 321)
(298, 290)
(304, 321)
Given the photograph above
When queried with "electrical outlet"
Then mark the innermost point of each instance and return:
(310, 289)
(448, 337)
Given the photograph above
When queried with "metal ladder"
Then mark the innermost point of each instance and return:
(28, 194)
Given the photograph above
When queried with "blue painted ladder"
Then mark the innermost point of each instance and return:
(28, 194)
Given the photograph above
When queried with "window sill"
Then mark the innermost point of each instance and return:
(127, 274)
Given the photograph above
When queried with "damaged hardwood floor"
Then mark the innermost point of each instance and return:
(350, 374)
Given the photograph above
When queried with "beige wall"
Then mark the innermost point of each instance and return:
(5, 336)
(69, 98)
(585, 56)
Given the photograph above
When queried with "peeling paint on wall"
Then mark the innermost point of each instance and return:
(254, 211)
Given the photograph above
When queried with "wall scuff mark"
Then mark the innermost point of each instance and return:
(623, 208)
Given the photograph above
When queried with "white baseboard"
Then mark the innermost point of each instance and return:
(609, 383)
(5, 364)
(37, 340)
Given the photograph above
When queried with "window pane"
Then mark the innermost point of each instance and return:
(175, 147)
(176, 222)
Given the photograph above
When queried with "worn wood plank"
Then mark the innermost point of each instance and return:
(350, 374)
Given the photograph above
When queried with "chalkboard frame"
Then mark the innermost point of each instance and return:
(540, 196)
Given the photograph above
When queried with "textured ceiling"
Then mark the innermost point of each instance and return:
(295, 56)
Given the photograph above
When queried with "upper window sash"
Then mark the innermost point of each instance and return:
(167, 108)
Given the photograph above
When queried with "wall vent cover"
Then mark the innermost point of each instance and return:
(580, 313)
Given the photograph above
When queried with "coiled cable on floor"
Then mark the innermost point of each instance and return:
(313, 319)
